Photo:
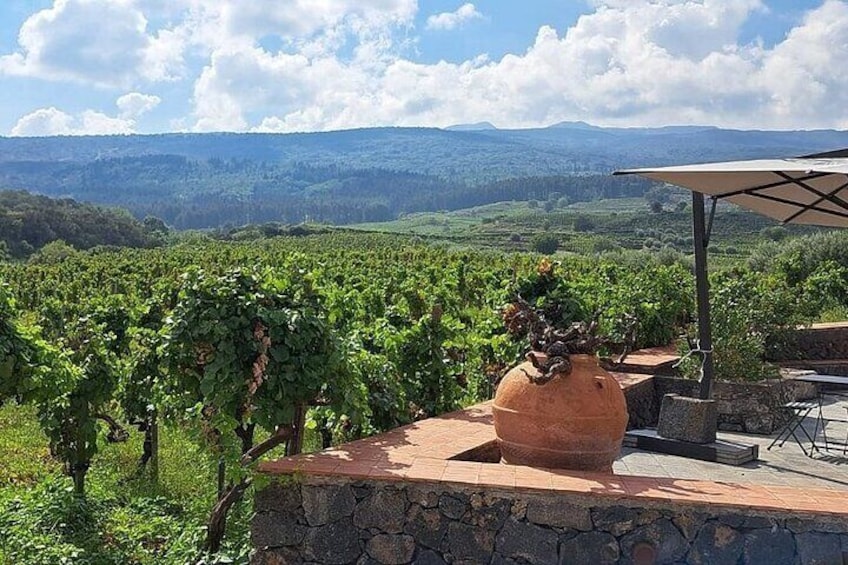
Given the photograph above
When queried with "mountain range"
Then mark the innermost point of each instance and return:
(374, 174)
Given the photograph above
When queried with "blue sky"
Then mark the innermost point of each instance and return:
(150, 66)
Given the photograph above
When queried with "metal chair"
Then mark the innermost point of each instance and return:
(798, 411)
(845, 446)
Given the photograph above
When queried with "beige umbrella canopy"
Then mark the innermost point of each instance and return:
(804, 190)
(807, 190)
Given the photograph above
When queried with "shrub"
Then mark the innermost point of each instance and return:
(802, 256)
(774, 233)
(747, 309)
(583, 224)
(544, 243)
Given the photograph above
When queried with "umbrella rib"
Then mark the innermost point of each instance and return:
(822, 195)
(795, 204)
(828, 196)
(811, 176)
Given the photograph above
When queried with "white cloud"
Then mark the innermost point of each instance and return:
(804, 76)
(99, 42)
(453, 20)
(50, 121)
(134, 104)
(103, 42)
(303, 18)
(330, 64)
(45, 121)
(628, 63)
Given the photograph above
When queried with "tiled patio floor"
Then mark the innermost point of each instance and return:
(785, 465)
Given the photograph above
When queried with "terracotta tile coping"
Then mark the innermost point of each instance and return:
(627, 380)
(423, 452)
(653, 356)
(828, 325)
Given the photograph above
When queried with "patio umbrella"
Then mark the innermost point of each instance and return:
(804, 190)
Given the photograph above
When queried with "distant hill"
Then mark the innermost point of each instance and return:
(374, 174)
(472, 127)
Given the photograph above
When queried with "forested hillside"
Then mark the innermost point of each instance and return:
(208, 180)
(28, 222)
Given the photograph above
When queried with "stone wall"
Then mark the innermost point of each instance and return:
(642, 407)
(754, 408)
(813, 344)
(335, 521)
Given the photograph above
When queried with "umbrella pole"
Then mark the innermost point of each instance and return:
(702, 286)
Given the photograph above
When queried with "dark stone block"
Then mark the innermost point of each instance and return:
(362, 491)
(534, 544)
(336, 543)
(488, 513)
(429, 557)
(469, 543)
(688, 419)
(765, 547)
(422, 497)
(453, 506)
(390, 549)
(518, 510)
(732, 520)
(666, 540)
(323, 504)
(426, 525)
(819, 525)
(689, 524)
(384, 510)
(279, 497)
(716, 543)
(498, 559)
(548, 512)
(277, 556)
(591, 547)
(761, 522)
(274, 529)
(619, 520)
(819, 549)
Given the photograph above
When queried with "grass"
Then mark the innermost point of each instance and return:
(124, 519)
(23, 449)
(588, 227)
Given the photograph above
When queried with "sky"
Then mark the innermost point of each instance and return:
(70, 67)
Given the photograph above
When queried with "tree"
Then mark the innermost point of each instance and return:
(774, 233)
(545, 243)
(54, 252)
(583, 223)
(656, 207)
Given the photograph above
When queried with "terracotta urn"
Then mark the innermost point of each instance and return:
(575, 421)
